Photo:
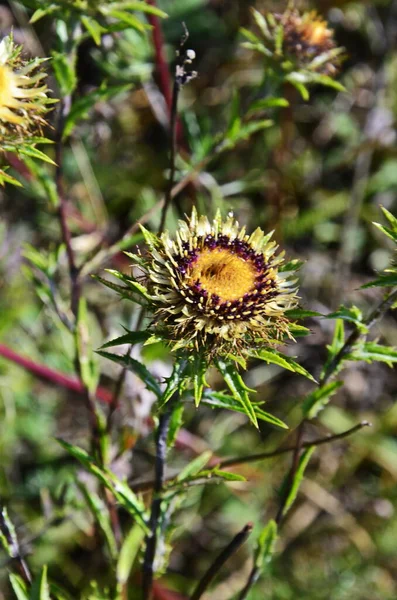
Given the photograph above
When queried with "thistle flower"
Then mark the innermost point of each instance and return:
(23, 96)
(307, 36)
(217, 289)
(300, 43)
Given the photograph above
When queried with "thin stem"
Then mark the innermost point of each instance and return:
(12, 541)
(250, 458)
(291, 474)
(220, 560)
(252, 579)
(151, 539)
(64, 110)
(173, 122)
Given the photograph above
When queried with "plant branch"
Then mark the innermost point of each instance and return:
(292, 472)
(151, 539)
(220, 560)
(11, 541)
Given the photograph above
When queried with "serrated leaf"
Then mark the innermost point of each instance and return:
(123, 291)
(33, 152)
(352, 314)
(199, 366)
(318, 399)
(132, 337)
(40, 589)
(219, 400)
(238, 388)
(266, 543)
(136, 367)
(275, 357)
(370, 351)
(299, 474)
(19, 587)
(175, 382)
(128, 553)
(133, 285)
(261, 22)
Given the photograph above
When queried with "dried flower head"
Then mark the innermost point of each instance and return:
(298, 42)
(23, 96)
(216, 288)
(306, 37)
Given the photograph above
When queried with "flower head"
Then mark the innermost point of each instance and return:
(214, 287)
(307, 36)
(23, 96)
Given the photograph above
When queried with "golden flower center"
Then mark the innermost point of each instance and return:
(315, 31)
(225, 274)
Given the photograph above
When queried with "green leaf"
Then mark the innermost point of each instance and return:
(299, 83)
(298, 313)
(275, 357)
(40, 589)
(382, 281)
(123, 291)
(226, 475)
(261, 22)
(238, 388)
(128, 553)
(141, 7)
(39, 13)
(219, 400)
(124, 495)
(352, 314)
(199, 367)
(133, 285)
(136, 367)
(101, 516)
(370, 351)
(89, 370)
(65, 73)
(125, 18)
(195, 466)
(265, 545)
(175, 382)
(132, 337)
(318, 399)
(94, 28)
(33, 152)
(19, 587)
(298, 477)
(176, 422)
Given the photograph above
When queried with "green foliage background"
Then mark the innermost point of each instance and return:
(318, 176)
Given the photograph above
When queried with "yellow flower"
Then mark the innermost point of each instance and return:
(213, 287)
(23, 97)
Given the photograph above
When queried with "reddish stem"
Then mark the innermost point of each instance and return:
(48, 374)
(165, 83)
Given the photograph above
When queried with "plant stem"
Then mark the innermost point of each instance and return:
(173, 122)
(220, 560)
(151, 539)
(231, 462)
(291, 474)
(8, 532)
(252, 579)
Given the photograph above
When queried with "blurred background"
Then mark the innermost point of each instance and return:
(317, 178)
